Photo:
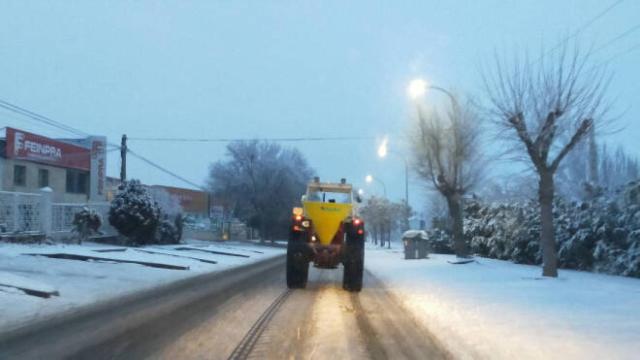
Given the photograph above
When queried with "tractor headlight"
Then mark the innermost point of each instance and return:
(305, 223)
(313, 238)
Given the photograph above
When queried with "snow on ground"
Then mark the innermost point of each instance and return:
(500, 310)
(84, 282)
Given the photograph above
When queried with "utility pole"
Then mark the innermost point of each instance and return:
(406, 181)
(123, 157)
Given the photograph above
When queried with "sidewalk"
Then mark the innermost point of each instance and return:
(499, 310)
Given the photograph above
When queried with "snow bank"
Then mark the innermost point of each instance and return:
(500, 310)
(84, 282)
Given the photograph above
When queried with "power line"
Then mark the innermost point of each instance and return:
(225, 140)
(622, 35)
(43, 119)
(581, 28)
(166, 171)
(40, 118)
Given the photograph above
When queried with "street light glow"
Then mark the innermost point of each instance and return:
(382, 150)
(369, 178)
(417, 88)
(360, 192)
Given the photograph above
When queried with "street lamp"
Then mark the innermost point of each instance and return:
(369, 179)
(383, 150)
(418, 87)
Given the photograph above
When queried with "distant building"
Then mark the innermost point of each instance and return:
(193, 202)
(74, 169)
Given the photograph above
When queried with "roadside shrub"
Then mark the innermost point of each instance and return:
(601, 234)
(168, 231)
(134, 213)
(85, 223)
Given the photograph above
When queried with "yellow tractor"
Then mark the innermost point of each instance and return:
(326, 231)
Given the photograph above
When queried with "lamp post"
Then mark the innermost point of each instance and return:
(383, 150)
(369, 179)
(418, 87)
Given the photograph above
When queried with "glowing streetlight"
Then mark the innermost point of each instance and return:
(417, 88)
(369, 179)
(382, 150)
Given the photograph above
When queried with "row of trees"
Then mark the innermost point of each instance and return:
(384, 217)
(541, 109)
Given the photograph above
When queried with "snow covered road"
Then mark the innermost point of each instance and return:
(322, 321)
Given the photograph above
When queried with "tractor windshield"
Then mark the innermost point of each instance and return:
(329, 197)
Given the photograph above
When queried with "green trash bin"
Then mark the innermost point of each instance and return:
(423, 247)
(415, 244)
(409, 248)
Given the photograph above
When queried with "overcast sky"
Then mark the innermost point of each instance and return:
(242, 69)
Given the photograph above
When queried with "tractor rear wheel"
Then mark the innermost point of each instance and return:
(353, 264)
(297, 266)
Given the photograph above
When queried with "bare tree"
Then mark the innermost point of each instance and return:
(447, 156)
(547, 107)
(260, 182)
(384, 217)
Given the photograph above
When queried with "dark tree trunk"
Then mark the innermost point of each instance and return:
(455, 213)
(547, 237)
(388, 236)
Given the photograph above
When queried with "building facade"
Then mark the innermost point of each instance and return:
(192, 202)
(75, 170)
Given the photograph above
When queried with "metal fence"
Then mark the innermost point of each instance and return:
(28, 213)
(62, 216)
(20, 213)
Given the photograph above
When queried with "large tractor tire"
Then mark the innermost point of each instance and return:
(297, 265)
(353, 264)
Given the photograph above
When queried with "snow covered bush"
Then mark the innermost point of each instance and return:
(134, 213)
(602, 234)
(85, 223)
(439, 242)
(169, 232)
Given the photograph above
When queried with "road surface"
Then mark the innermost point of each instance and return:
(257, 318)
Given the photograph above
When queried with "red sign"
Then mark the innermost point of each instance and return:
(23, 145)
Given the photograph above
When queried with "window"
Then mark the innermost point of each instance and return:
(19, 175)
(329, 196)
(43, 178)
(77, 182)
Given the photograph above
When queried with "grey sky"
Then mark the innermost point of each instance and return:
(278, 69)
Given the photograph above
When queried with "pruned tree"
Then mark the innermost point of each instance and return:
(447, 156)
(546, 107)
